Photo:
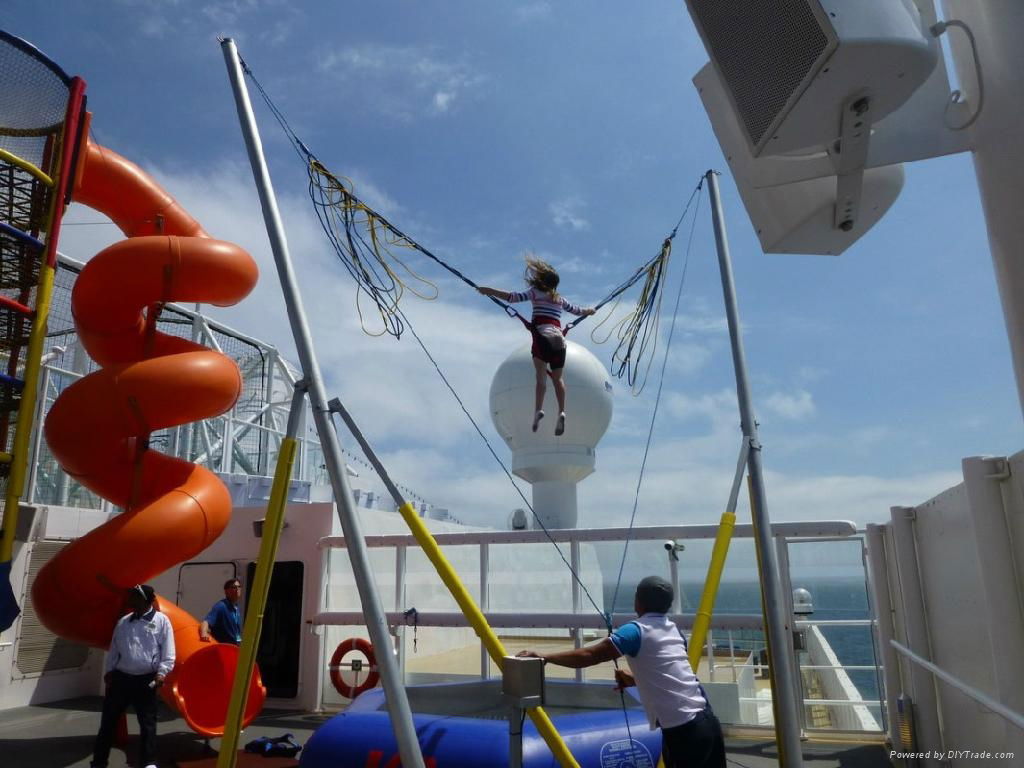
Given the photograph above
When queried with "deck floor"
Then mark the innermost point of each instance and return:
(61, 736)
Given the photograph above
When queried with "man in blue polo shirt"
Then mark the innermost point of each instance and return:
(669, 690)
(224, 621)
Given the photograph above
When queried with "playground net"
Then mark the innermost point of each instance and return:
(33, 105)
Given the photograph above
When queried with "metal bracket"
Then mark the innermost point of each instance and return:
(1001, 469)
(850, 156)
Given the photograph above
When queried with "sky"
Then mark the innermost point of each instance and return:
(570, 129)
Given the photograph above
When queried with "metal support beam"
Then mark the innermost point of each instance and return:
(376, 624)
(884, 632)
(915, 622)
(779, 629)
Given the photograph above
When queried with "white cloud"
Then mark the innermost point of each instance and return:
(274, 20)
(373, 196)
(715, 407)
(867, 437)
(861, 498)
(402, 81)
(796, 405)
(810, 374)
(154, 26)
(567, 214)
(442, 100)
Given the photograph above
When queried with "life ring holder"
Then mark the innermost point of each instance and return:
(345, 647)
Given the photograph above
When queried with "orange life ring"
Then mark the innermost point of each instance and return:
(344, 647)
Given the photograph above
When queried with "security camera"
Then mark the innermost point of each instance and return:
(670, 545)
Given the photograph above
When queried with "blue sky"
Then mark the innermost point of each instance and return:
(571, 129)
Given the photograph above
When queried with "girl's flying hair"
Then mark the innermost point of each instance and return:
(541, 275)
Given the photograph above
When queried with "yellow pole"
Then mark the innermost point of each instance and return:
(272, 526)
(707, 599)
(476, 618)
(26, 166)
(26, 412)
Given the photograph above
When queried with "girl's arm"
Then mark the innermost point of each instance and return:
(503, 295)
(575, 310)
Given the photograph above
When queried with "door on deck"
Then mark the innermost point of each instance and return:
(280, 640)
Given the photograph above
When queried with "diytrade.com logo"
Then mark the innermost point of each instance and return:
(951, 754)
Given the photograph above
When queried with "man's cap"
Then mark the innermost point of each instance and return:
(655, 594)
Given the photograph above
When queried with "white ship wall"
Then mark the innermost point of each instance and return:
(836, 684)
(969, 544)
(18, 688)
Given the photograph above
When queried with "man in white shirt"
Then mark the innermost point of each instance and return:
(669, 690)
(141, 655)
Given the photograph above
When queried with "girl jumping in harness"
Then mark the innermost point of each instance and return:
(546, 328)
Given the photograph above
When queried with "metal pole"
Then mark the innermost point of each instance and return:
(37, 436)
(915, 625)
(400, 569)
(779, 632)
(883, 629)
(376, 624)
(515, 737)
(782, 549)
(485, 604)
(577, 633)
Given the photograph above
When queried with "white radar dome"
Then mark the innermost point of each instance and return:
(553, 464)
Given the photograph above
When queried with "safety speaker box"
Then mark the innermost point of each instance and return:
(790, 65)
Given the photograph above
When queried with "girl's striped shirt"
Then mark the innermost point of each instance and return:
(546, 311)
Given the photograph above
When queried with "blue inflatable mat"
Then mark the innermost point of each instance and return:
(362, 737)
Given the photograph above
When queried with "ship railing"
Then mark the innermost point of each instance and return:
(1014, 718)
(253, 437)
(733, 653)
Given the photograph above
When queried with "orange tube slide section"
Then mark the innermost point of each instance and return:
(99, 427)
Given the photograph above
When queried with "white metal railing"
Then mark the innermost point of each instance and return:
(568, 535)
(524, 620)
(577, 620)
(823, 702)
(1015, 718)
(805, 623)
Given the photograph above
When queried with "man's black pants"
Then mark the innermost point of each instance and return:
(127, 690)
(696, 744)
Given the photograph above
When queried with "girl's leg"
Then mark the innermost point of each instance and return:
(541, 369)
(556, 378)
(559, 383)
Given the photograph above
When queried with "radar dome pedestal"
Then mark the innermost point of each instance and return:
(552, 465)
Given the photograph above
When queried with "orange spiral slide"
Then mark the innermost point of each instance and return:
(99, 428)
